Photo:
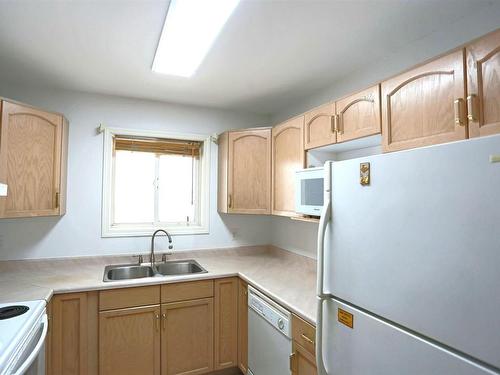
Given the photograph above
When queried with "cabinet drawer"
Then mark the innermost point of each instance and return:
(304, 334)
(187, 290)
(129, 297)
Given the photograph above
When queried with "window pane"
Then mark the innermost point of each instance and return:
(176, 183)
(134, 187)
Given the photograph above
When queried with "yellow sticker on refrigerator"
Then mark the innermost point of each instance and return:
(345, 318)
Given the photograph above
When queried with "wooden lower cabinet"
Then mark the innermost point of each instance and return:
(226, 323)
(129, 331)
(243, 326)
(73, 334)
(302, 362)
(187, 339)
(302, 359)
(129, 341)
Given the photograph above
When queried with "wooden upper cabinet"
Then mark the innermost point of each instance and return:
(288, 156)
(358, 115)
(483, 85)
(249, 172)
(425, 105)
(226, 323)
(187, 339)
(245, 171)
(33, 152)
(129, 341)
(319, 127)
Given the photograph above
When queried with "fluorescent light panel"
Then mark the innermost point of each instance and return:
(191, 27)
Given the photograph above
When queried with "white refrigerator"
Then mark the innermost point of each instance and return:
(409, 265)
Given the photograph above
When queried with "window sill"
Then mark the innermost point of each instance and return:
(147, 231)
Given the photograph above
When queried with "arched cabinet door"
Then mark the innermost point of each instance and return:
(483, 85)
(32, 161)
(288, 156)
(425, 105)
(319, 129)
(358, 115)
(249, 171)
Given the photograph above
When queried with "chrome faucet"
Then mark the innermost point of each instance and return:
(152, 256)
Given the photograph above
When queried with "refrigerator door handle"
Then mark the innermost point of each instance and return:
(323, 222)
(320, 364)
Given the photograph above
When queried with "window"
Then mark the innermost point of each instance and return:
(154, 180)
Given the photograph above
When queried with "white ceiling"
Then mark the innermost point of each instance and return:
(270, 52)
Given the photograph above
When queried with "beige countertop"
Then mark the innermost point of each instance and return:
(288, 278)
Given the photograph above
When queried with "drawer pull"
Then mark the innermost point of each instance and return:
(310, 341)
(292, 361)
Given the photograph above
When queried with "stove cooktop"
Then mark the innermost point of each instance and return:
(12, 311)
(16, 321)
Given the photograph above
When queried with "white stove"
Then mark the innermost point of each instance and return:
(23, 329)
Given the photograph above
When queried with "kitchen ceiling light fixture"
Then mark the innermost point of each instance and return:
(190, 28)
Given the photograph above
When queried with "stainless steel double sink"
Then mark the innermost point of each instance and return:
(138, 271)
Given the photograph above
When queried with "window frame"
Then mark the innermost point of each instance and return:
(109, 229)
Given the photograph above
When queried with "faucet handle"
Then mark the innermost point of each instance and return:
(139, 257)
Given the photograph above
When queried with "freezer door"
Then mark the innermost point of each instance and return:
(420, 245)
(372, 347)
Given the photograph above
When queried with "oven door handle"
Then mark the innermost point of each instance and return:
(21, 370)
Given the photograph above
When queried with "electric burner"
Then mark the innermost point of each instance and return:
(8, 312)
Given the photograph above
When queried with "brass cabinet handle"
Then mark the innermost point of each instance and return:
(164, 317)
(292, 361)
(57, 200)
(458, 106)
(229, 201)
(157, 321)
(472, 107)
(310, 341)
(335, 124)
(340, 123)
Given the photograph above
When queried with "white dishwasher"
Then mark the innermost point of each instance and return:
(269, 336)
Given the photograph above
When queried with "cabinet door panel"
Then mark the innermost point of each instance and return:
(69, 334)
(318, 126)
(226, 323)
(303, 362)
(287, 157)
(483, 74)
(129, 341)
(249, 172)
(359, 115)
(187, 340)
(243, 326)
(418, 106)
(30, 161)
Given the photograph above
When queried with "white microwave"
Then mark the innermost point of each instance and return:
(309, 191)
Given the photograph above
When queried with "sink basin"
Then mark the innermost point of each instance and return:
(127, 272)
(180, 267)
(135, 271)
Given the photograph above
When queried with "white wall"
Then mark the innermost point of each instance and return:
(300, 236)
(78, 232)
(450, 36)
